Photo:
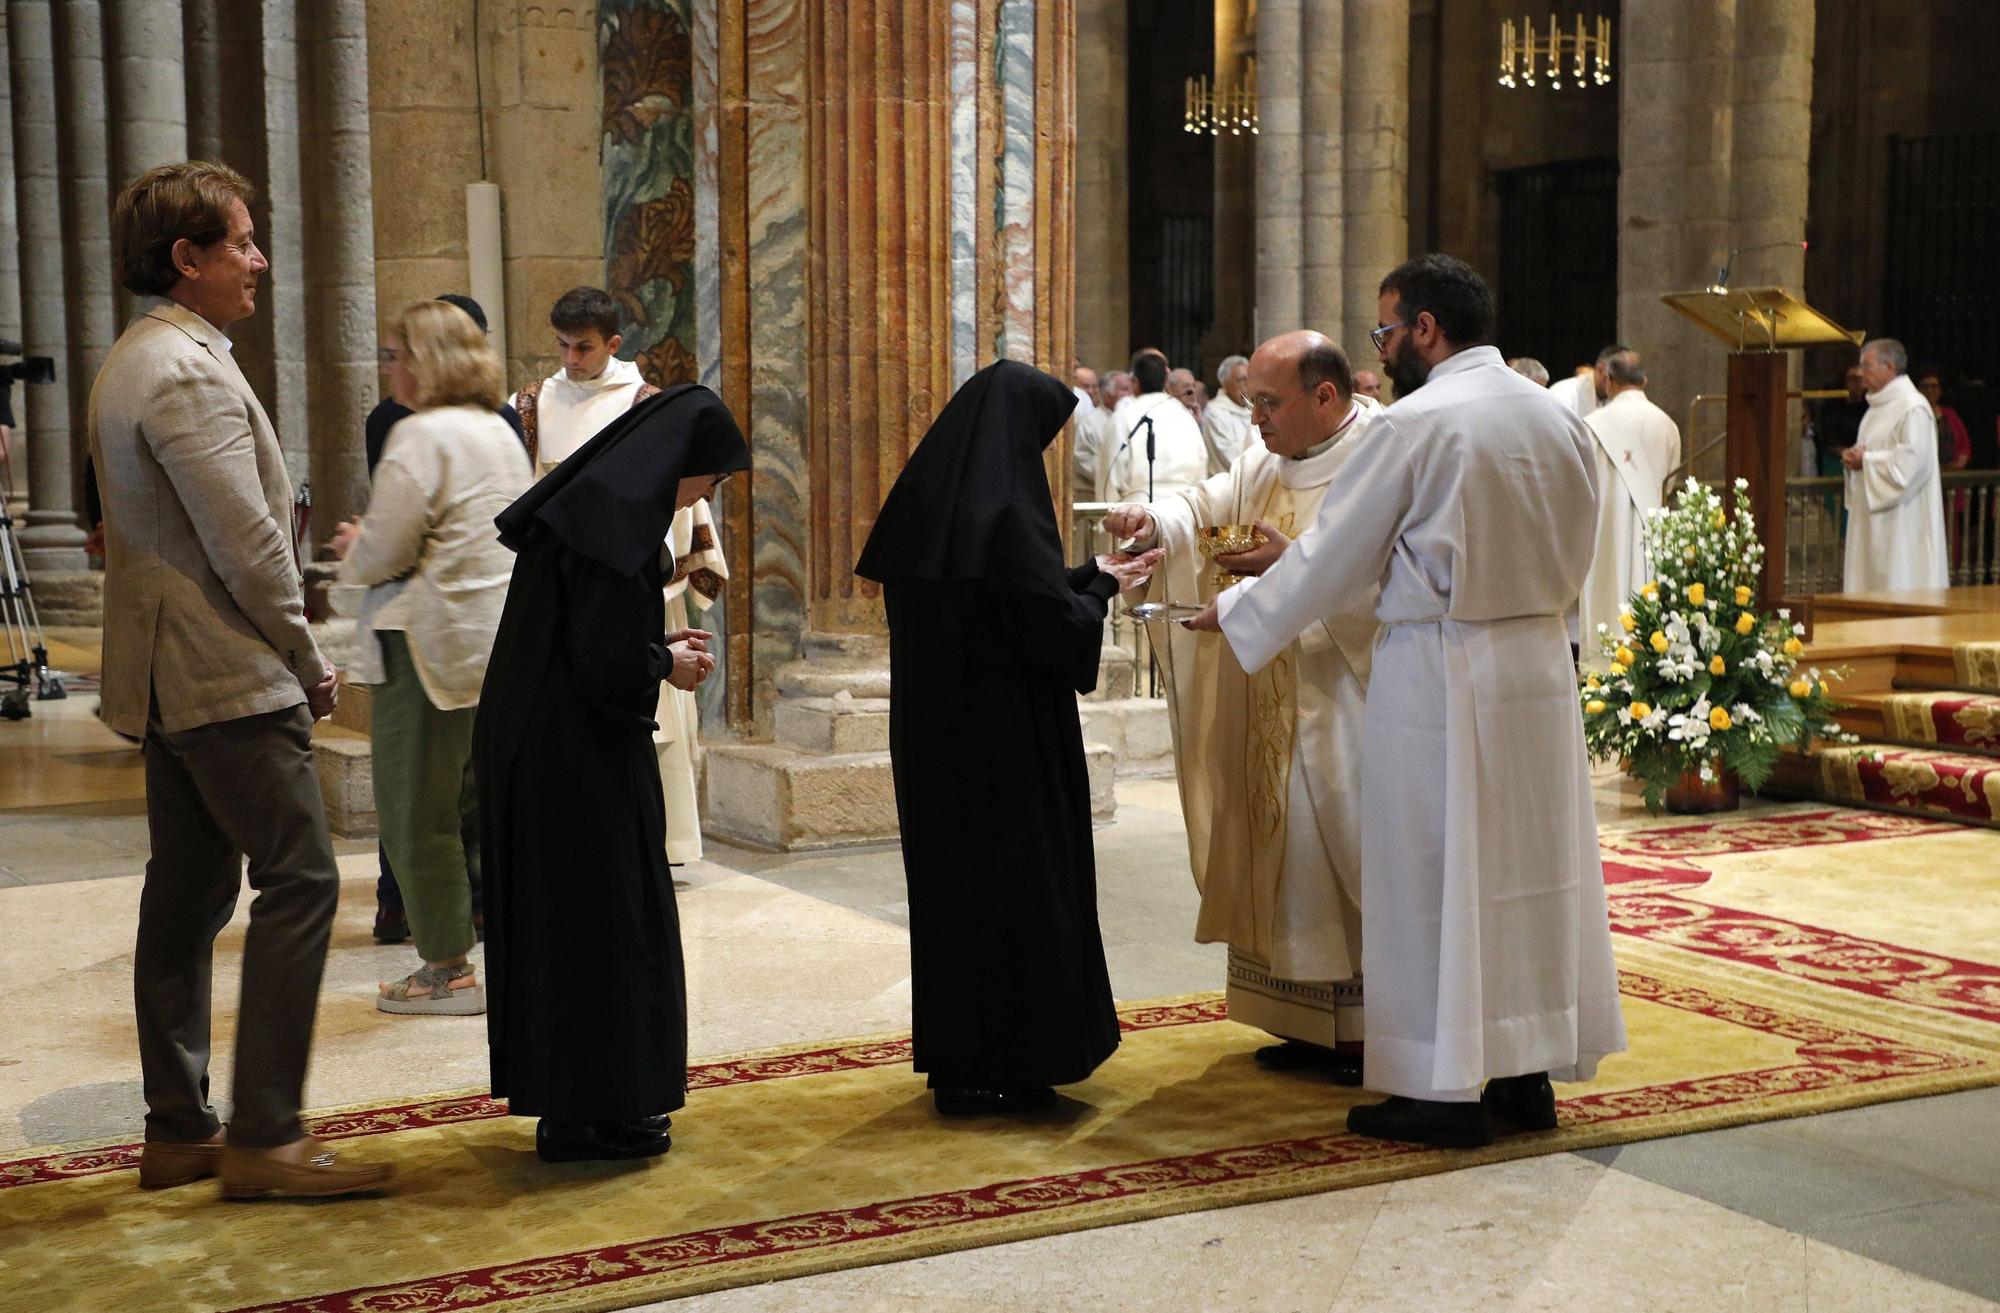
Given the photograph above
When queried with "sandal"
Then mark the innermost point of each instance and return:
(428, 993)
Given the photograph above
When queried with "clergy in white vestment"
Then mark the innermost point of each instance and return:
(1157, 446)
(1092, 422)
(1638, 445)
(696, 582)
(1469, 504)
(1895, 506)
(1270, 763)
(1587, 389)
(565, 410)
(1226, 425)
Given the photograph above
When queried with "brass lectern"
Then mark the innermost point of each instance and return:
(1760, 324)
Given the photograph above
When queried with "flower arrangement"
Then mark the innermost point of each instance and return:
(1699, 680)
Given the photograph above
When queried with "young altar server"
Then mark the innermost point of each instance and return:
(586, 996)
(1637, 447)
(565, 410)
(1470, 505)
(1895, 512)
(991, 638)
(1270, 764)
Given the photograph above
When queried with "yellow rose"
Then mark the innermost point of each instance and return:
(1659, 641)
(1716, 521)
(1687, 553)
(1629, 621)
(1801, 689)
(1717, 666)
(1641, 710)
(1624, 656)
(1742, 594)
(1697, 594)
(1652, 589)
(1718, 719)
(1593, 708)
(1745, 623)
(1590, 681)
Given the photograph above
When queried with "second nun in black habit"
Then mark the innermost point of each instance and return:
(587, 1001)
(991, 638)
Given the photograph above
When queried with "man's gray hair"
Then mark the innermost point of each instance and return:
(1228, 367)
(1626, 369)
(1889, 351)
(1531, 369)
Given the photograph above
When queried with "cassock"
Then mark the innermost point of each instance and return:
(991, 638)
(1637, 447)
(1470, 505)
(563, 413)
(587, 1006)
(1270, 764)
(1578, 392)
(1227, 431)
(1180, 457)
(698, 575)
(1895, 511)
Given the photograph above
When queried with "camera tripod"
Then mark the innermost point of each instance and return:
(27, 652)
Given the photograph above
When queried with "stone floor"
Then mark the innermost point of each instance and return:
(1893, 1207)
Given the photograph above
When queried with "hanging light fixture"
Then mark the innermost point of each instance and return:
(1210, 108)
(1577, 58)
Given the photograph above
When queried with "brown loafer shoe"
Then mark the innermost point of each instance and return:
(164, 1164)
(305, 1168)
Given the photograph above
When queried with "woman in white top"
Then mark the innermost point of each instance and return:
(437, 576)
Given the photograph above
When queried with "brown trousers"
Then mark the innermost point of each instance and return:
(215, 795)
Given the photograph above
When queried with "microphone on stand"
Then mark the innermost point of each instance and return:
(1147, 420)
(1728, 261)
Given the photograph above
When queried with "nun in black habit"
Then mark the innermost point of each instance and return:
(991, 638)
(587, 1004)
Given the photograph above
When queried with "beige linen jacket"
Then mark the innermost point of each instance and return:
(203, 610)
(429, 550)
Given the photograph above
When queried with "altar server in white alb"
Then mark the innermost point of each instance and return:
(699, 572)
(1470, 504)
(1270, 763)
(568, 408)
(1177, 457)
(1226, 423)
(1895, 510)
(1589, 387)
(1638, 445)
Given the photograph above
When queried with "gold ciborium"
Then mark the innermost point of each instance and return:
(1226, 540)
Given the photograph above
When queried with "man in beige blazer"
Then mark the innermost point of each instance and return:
(208, 659)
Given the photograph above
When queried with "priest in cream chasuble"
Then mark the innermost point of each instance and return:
(1270, 763)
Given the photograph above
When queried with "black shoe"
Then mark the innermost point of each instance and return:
(582, 1142)
(1297, 1055)
(977, 1100)
(1424, 1121)
(392, 925)
(655, 1125)
(1524, 1103)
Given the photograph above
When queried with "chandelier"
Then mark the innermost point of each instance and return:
(1527, 59)
(1215, 111)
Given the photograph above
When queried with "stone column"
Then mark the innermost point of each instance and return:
(1280, 186)
(1376, 162)
(93, 316)
(10, 292)
(1103, 187)
(844, 157)
(201, 40)
(340, 275)
(149, 99)
(1322, 147)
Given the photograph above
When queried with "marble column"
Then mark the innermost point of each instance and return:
(1280, 185)
(865, 152)
(340, 272)
(1103, 187)
(1322, 147)
(1375, 131)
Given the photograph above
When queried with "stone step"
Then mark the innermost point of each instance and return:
(838, 724)
(1137, 730)
(346, 780)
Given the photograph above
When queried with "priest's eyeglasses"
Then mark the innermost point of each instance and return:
(1380, 336)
